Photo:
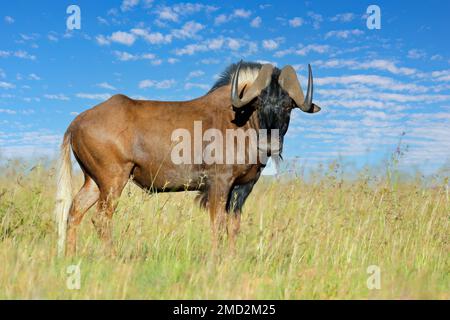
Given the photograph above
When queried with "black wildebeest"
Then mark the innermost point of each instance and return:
(123, 138)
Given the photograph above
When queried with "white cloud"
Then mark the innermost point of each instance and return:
(163, 84)
(166, 13)
(4, 54)
(316, 19)
(256, 22)
(156, 62)
(118, 37)
(173, 13)
(282, 53)
(222, 18)
(6, 85)
(26, 143)
(211, 44)
(373, 80)
(436, 57)
(189, 30)
(427, 136)
(343, 34)
(373, 88)
(128, 4)
(296, 22)
(237, 45)
(377, 64)
(191, 85)
(147, 56)
(152, 37)
(268, 62)
(215, 44)
(237, 13)
(8, 111)
(18, 54)
(158, 38)
(191, 49)
(126, 56)
(377, 105)
(102, 40)
(343, 17)
(312, 48)
(356, 102)
(122, 37)
(242, 13)
(416, 54)
(270, 44)
(443, 75)
(33, 76)
(58, 96)
(28, 151)
(94, 96)
(388, 66)
(210, 61)
(105, 85)
(173, 60)
(29, 37)
(195, 74)
(9, 19)
(52, 37)
(191, 8)
(103, 21)
(31, 99)
(234, 44)
(430, 116)
(24, 55)
(318, 48)
(139, 97)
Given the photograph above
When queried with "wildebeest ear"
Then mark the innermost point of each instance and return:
(260, 83)
(241, 94)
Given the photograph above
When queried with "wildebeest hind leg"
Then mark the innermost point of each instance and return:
(110, 192)
(83, 201)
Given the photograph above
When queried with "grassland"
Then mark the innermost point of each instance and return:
(299, 240)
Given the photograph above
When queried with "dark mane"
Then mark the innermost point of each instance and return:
(225, 76)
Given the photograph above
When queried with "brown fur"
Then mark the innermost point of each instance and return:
(123, 138)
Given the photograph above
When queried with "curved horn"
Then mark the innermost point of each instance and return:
(309, 91)
(262, 81)
(289, 82)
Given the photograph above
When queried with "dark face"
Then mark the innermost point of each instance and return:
(274, 108)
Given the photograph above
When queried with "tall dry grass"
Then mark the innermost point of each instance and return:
(299, 240)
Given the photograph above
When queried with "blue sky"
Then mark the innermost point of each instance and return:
(373, 85)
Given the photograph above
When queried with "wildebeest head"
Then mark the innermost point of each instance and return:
(274, 93)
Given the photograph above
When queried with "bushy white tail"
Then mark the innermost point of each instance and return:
(63, 192)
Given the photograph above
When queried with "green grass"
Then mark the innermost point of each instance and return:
(298, 241)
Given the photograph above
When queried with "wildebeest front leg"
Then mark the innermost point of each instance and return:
(236, 200)
(217, 199)
(233, 226)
